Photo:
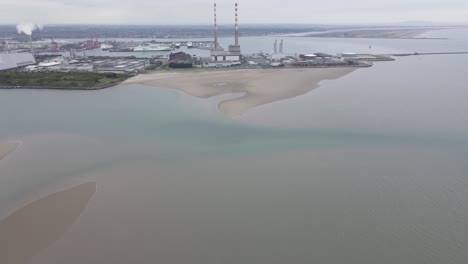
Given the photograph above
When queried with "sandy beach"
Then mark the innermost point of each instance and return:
(7, 148)
(259, 86)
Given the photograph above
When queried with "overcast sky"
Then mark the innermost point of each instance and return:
(250, 11)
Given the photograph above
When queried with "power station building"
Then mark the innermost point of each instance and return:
(233, 55)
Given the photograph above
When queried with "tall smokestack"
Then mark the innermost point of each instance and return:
(31, 44)
(28, 29)
(236, 34)
(281, 47)
(275, 47)
(215, 29)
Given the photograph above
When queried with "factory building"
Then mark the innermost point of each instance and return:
(348, 55)
(233, 55)
(115, 65)
(180, 56)
(10, 61)
(323, 55)
(225, 56)
(308, 56)
(120, 65)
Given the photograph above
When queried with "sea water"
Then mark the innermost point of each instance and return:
(369, 168)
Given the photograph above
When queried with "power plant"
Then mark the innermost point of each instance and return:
(233, 55)
(51, 56)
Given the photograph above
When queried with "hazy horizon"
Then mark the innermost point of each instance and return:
(200, 12)
(389, 24)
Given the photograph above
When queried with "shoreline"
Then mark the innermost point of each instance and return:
(12, 87)
(56, 80)
(131, 79)
(57, 88)
(191, 70)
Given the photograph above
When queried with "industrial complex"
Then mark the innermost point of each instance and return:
(220, 57)
(92, 55)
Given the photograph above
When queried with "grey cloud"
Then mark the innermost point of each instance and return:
(251, 11)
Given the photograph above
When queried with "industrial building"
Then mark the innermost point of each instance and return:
(233, 55)
(115, 65)
(225, 56)
(15, 60)
(350, 56)
(308, 56)
(120, 65)
(180, 56)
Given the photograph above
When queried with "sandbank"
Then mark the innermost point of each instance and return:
(37, 225)
(259, 86)
(6, 148)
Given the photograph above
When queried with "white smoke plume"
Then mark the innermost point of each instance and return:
(28, 28)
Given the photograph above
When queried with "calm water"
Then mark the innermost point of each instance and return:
(369, 168)
(457, 41)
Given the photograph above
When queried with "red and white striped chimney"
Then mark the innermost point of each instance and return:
(215, 29)
(236, 34)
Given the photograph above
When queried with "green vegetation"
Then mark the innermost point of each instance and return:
(82, 80)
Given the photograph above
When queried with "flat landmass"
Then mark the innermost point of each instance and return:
(258, 86)
(60, 80)
(372, 33)
(7, 148)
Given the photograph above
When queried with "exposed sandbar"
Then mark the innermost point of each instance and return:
(260, 86)
(7, 148)
(37, 225)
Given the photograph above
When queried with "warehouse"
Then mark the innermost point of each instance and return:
(10, 61)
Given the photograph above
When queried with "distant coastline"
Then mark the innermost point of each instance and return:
(397, 33)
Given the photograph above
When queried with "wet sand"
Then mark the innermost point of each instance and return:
(36, 226)
(6, 148)
(259, 87)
